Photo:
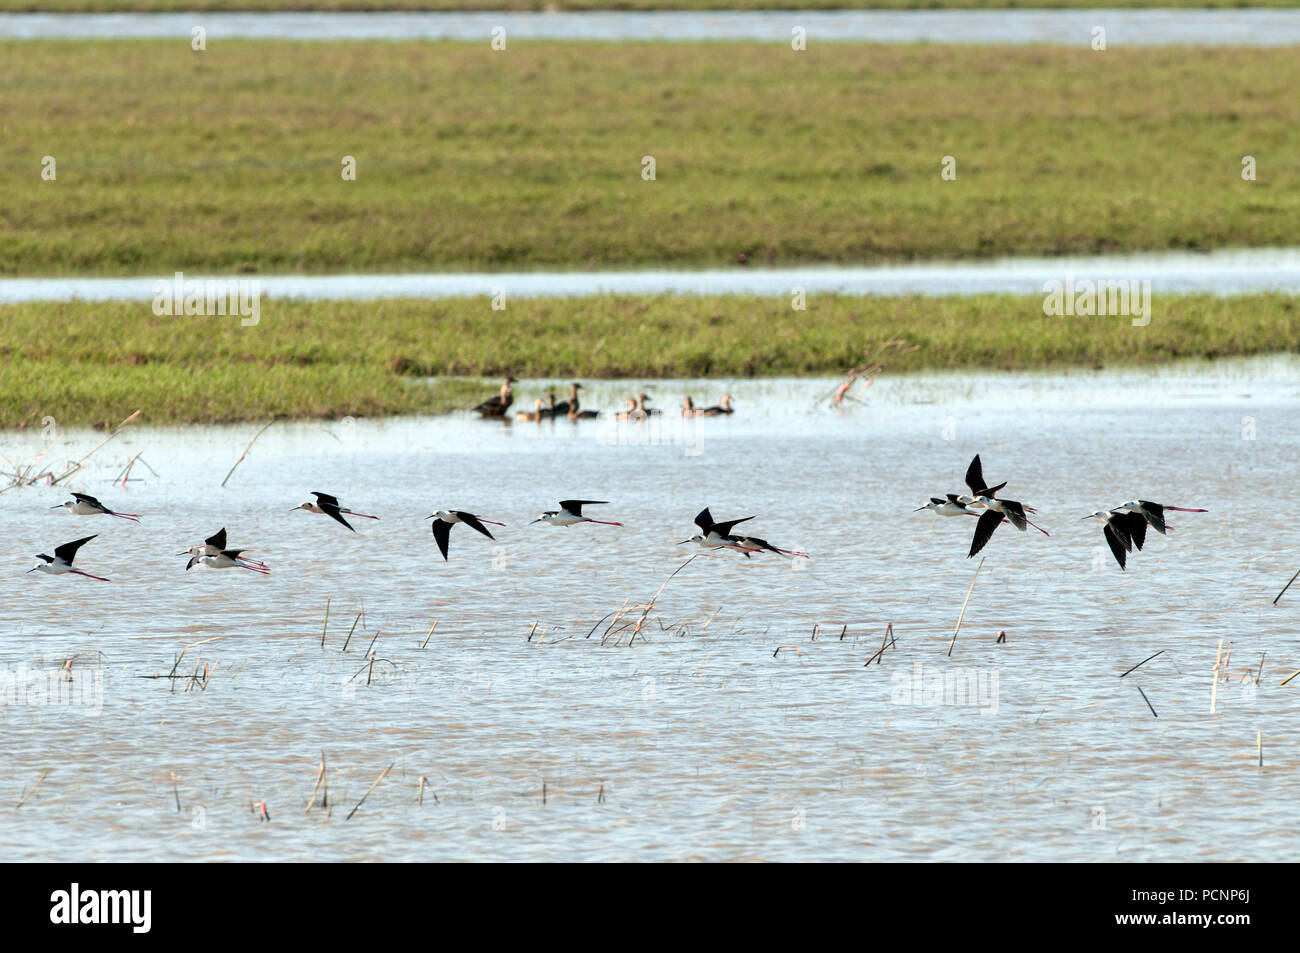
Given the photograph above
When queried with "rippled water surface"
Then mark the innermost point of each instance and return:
(1063, 27)
(741, 722)
(1230, 272)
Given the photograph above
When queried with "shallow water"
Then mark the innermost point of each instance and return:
(1239, 271)
(704, 744)
(1063, 27)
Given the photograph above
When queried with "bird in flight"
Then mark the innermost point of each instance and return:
(329, 505)
(85, 505)
(444, 520)
(61, 561)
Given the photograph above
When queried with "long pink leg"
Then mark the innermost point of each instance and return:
(604, 522)
(1185, 509)
(493, 522)
(262, 570)
(87, 575)
(1037, 527)
(362, 515)
(133, 517)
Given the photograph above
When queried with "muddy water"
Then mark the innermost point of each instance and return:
(695, 741)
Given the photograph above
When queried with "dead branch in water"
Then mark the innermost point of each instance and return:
(651, 604)
(382, 774)
(962, 614)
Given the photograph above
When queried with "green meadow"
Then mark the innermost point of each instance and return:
(93, 364)
(230, 159)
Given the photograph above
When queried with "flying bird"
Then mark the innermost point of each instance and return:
(85, 505)
(329, 505)
(570, 512)
(994, 509)
(715, 535)
(61, 561)
(1123, 531)
(443, 520)
(1154, 513)
(215, 546)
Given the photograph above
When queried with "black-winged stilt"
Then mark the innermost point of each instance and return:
(329, 505)
(215, 546)
(952, 506)
(1123, 530)
(443, 520)
(61, 561)
(1154, 513)
(717, 535)
(498, 405)
(226, 559)
(570, 512)
(85, 505)
(994, 508)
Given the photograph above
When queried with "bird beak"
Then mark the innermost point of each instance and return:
(919, 508)
(538, 520)
(33, 569)
(431, 516)
(59, 507)
(683, 542)
(296, 508)
(186, 553)
(1088, 517)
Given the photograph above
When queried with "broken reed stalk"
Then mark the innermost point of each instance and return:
(186, 648)
(1259, 746)
(532, 630)
(711, 618)
(885, 642)
(1141, 663)
(320, 785)
(326, 623)
(1286, 587)
(962, 614)
(175, 792)
(651, 604)
(430, 635)
(245, 453)
(1214, 689)
(350, 631)
(23, 800)
(382, 774)
(1148, 701)
(1288, 678)
(424, 783)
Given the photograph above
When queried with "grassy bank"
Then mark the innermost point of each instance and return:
(92, 364)
(229, 159)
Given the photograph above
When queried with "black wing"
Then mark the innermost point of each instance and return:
(975, 475)
(68, 551)
(469, 519)
(217, 539)
(1135, 524)
(441, 531)
(1116, 546)
(324, 499)
(989, 521)
(332, 509)
(1154, 513)
(575, 506)
(1015, 513)
(232, 553)
(87, 498)
(757, 543)
(704, 520)
(725, 528)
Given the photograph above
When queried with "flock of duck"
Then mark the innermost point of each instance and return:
(637, 407)
(1124, 527)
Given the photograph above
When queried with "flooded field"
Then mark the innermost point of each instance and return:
(741, 722)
